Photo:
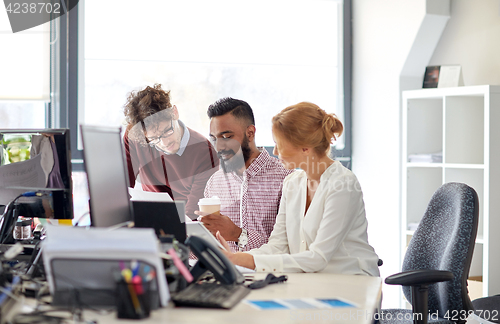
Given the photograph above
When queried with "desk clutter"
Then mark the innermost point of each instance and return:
(128, 270)
(134, 291)
(216, 295)
(211, 295)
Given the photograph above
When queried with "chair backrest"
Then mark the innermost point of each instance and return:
(444, 240)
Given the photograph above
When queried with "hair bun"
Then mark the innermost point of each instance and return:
(332, 126)
(307, 125)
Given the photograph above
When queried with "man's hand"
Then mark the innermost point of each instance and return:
(217, 222)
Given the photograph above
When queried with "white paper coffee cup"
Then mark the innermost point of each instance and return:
(209, 205)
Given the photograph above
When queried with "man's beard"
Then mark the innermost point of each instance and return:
(237, 160)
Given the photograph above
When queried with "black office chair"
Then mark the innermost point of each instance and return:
(437, 261)
(488, 308)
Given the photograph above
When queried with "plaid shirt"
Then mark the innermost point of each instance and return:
(252, 200)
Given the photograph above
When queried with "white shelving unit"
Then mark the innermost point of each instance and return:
(463, 124)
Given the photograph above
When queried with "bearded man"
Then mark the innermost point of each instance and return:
(249, 182)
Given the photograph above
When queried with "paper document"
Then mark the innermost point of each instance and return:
(302, 303)
(139, 195)
(426, 158)
(27, 173)
(239, 268)
(19, 177)
(243, 269)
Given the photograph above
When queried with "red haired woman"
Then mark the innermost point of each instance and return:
(321, 224)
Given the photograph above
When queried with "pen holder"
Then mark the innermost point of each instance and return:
(133, 299)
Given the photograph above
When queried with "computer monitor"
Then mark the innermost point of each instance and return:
(165, 217)
(38, 161)
(107, 176)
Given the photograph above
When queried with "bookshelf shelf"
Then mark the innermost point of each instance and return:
(461, 125)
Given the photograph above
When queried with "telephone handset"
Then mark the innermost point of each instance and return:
(211, 258)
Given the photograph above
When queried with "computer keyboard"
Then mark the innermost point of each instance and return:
(210, 294)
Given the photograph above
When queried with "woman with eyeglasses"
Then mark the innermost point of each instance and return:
(321, 224)
(163, 154)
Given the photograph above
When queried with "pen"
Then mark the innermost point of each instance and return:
(148, 273)
(134, 265)
(180, 265)
(127, 275)
(146, 270)
(137, 283)
(151, 275)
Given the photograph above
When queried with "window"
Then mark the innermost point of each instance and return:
(271, 54)
(25, 76)
(22, 114)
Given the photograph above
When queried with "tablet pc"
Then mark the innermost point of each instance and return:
(198, 229)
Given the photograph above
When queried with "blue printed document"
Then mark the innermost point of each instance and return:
(302, 303)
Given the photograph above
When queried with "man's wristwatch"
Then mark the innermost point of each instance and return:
(243, 239)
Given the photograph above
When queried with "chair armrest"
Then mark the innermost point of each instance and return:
(418, 277)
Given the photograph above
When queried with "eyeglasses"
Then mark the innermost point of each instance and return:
(166, 133)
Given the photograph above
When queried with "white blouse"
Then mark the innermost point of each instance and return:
(331, 237)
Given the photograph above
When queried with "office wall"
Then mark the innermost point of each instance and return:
(383, 32)
(472, 39)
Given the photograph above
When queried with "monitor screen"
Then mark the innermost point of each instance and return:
(104, 162)
(39, 161)
(165, 217)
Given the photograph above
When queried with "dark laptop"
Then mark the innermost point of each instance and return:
(165, 217)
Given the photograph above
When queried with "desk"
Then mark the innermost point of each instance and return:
(362, 290)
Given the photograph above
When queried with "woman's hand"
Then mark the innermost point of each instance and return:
(239, 258)
(222, 241)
